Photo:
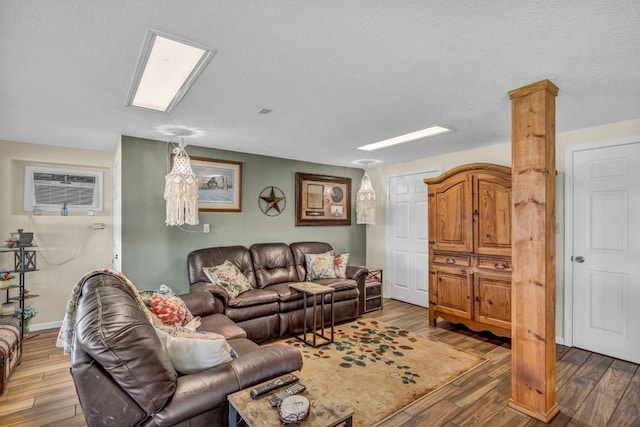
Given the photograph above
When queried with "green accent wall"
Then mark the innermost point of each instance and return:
(153, 253)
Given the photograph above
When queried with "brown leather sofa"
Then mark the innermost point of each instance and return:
(124, 377)
(272, 309)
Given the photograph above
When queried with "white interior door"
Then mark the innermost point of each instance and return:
(606, 250)
(406, 274)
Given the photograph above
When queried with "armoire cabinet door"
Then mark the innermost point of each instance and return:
(492, 212)
(450, 205)
(492, 299)
(453, 291)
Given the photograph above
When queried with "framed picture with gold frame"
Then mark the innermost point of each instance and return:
(219, 184)
(322, 200)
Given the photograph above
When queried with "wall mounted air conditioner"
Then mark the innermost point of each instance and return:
(49, 188)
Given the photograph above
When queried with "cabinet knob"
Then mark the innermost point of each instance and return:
(450, 261)
(477, 298)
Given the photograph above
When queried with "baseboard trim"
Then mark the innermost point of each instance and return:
(42, 326)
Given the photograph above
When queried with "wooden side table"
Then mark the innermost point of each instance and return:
(310, 289)
(324, 410)
(373, 290)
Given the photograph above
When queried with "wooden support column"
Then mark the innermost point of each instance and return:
(533, 322)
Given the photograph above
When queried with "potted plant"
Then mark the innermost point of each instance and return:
(27, 314)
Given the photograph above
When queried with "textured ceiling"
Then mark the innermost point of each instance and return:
(337, 74)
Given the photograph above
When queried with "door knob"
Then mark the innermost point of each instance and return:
(580, 259)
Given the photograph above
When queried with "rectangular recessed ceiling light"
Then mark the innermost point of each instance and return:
(167, 67)
(424, 133)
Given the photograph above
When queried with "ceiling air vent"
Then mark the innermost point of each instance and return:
(49, 189)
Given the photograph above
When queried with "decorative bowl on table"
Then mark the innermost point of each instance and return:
(5, 276)
(8, 309)
(9, 243)
(22, 237)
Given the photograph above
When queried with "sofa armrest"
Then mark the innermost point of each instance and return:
(266, 363)
(198, 393)
(206, 390)
(357, 273)
(200, 303)
(220, 296)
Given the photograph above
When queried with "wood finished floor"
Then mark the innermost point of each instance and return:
(593, 390)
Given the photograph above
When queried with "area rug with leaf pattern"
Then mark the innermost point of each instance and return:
(377, 369)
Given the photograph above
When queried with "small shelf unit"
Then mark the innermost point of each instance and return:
(373, 290)
(24, 262)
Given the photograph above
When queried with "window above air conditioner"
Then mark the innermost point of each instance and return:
(49, 188)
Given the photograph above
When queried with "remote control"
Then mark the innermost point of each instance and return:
(289, 391)
(272, 385)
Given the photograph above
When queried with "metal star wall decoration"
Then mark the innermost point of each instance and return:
(270, 201)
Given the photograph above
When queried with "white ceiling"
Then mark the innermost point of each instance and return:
(337, 74)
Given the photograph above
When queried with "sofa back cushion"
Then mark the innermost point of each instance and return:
(273, 264)
(112, 329)
(211, 257)
(300, 249)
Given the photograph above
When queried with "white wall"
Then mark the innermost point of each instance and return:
(58, 238)
(499, 154)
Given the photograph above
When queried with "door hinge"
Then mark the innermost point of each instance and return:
(431, 194)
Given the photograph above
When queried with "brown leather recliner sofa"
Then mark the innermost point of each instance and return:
(124, 377)
(272, 309)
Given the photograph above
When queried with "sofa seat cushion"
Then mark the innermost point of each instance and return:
(285, 292)
(238, 314)
(243, 346)
(254, 297)
(221, 324)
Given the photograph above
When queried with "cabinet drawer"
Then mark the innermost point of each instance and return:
(450, 259)
(373, 290)
(496, 264)
(373, 304)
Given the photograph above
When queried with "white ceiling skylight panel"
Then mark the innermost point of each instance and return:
(167, 67)
(424, 133)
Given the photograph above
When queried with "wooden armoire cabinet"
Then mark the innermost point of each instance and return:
(470, 247)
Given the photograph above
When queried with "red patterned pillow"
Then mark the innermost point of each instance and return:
(170, 311)
(340, 263)
(165, 304)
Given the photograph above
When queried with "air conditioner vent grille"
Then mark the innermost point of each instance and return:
(50, 188)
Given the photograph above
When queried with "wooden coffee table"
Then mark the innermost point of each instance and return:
(312, 290)
(324, 410)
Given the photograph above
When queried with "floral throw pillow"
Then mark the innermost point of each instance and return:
(320, 266)
(340, 262)
(229, 277)
(167, 306)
